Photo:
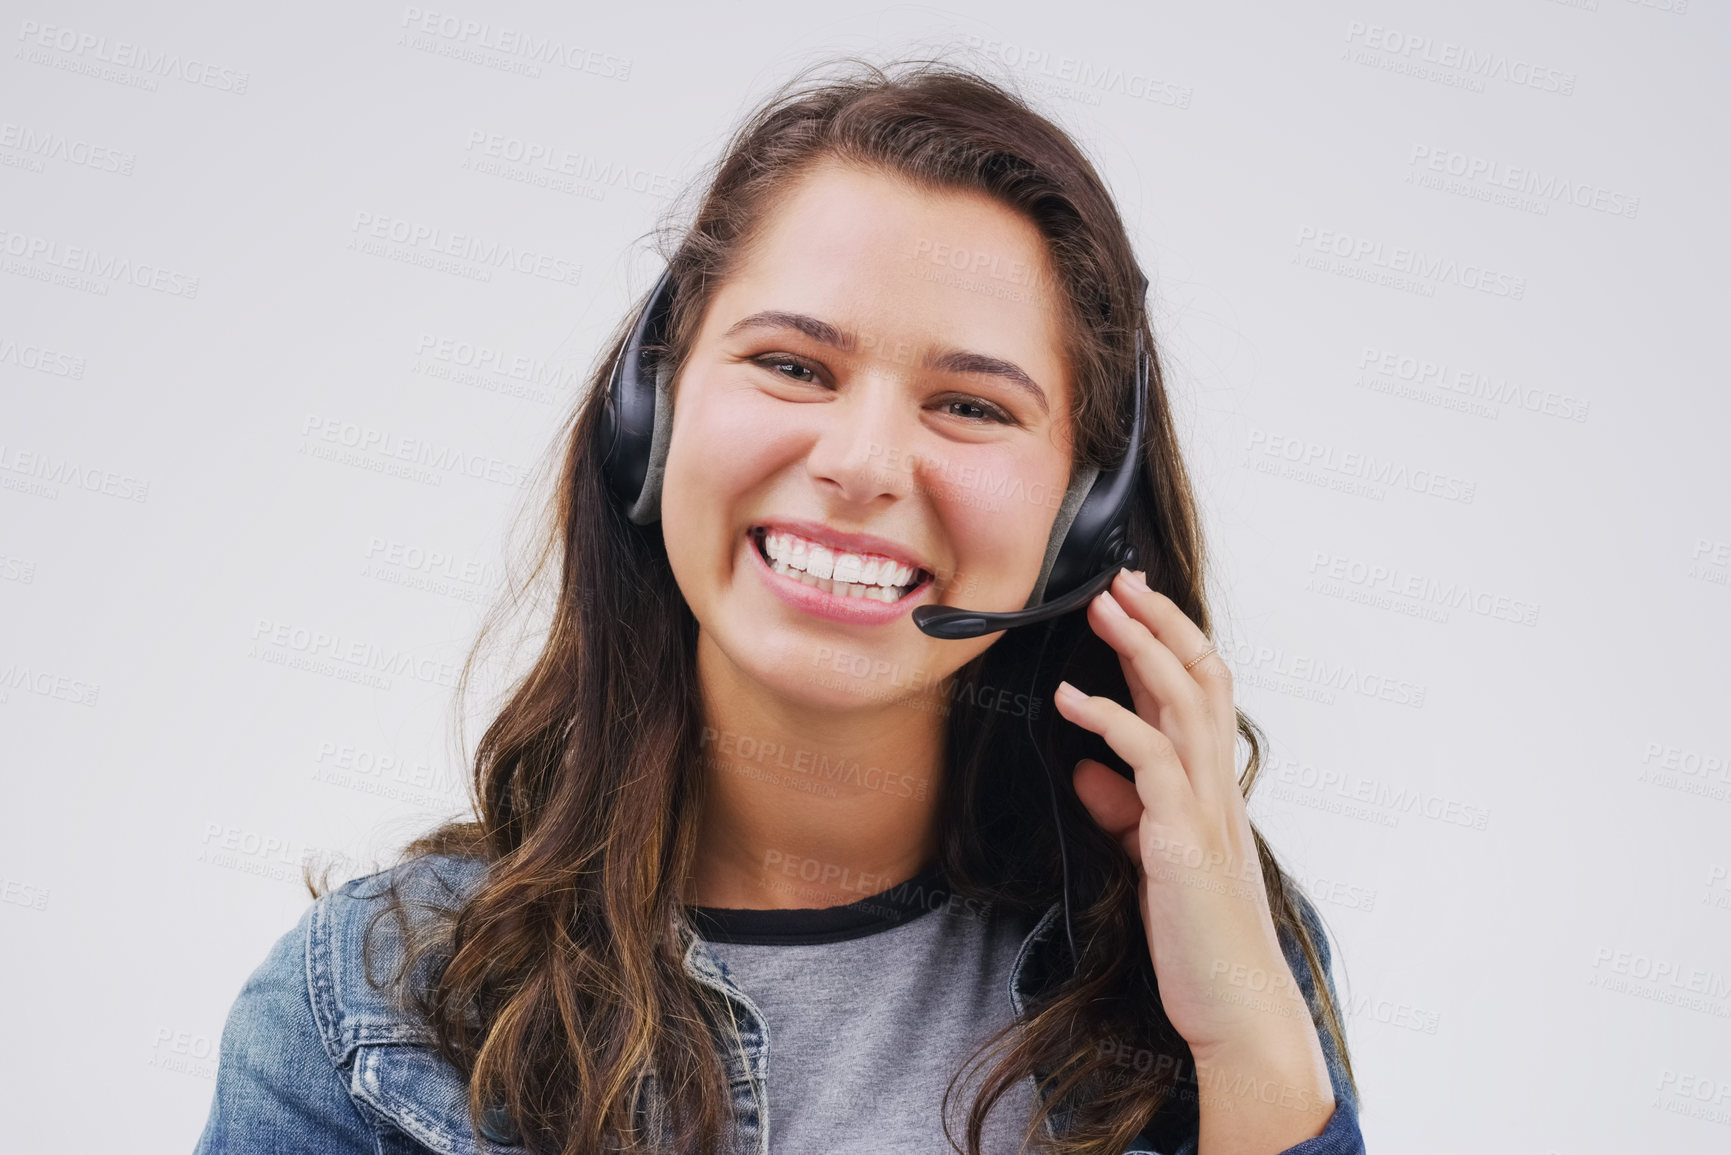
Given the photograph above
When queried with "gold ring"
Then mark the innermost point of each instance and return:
(1199, 657)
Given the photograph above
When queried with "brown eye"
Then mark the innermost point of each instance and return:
(980, 410)
(775, 363)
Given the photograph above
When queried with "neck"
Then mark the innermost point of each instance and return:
(809, 806)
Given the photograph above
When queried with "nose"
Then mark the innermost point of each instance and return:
(866, 446)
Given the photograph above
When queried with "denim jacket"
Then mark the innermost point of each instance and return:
(315, 1059)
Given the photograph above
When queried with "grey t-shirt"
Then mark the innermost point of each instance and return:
(872, 1007)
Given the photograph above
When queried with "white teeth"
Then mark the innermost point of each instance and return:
(840, 589)
(845, 574)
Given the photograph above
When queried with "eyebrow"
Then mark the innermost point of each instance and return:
(950, 361)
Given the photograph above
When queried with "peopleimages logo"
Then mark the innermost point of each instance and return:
(23, 894)
(1368, 254)
(1547, 187)
(560, 161)
(515, 42)
(1467, 381)
(419, 458)
(1479, 65)
(42, 144)
(371, 230)
(30, 679)
(82, 262)
(1365, 470)
(1083, 79)
(1256, 664)
(1395, 800)
(82, 47)
(747, 754)
(1327, 569)
(466, 354)
(1661, 979)
(40, 358)
(346, 658)
(53, 471)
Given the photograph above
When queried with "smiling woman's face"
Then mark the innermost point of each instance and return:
(854, 391)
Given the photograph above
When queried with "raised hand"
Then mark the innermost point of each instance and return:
(1224, 982)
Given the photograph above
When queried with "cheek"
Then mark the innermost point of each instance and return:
(998, 509)
(711, 432)
(722, 447)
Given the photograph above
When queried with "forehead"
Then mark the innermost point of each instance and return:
(905, 266)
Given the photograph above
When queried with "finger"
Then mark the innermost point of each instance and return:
(1147, 704)
(1173, 627)
(1184, 716)
(1161, 782)
(1112, 801)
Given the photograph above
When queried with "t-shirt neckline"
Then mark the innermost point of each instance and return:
(809, 926)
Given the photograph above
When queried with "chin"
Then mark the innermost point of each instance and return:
(810, 671)
(820, 673)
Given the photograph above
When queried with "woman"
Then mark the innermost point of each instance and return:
(761, 866)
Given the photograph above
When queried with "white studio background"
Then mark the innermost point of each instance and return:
(1442, 291)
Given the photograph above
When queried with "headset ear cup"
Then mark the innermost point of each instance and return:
(1098, 535)
(647, 508)
(625, 435)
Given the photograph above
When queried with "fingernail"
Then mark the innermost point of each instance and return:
(1110, 604)
(1070, 693)
(1137, 579)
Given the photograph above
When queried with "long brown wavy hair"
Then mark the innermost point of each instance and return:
(557, 984)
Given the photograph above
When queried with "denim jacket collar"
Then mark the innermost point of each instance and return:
(395, 1071)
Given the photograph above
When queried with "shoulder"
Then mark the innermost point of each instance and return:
(355, 942)
(315, 1056)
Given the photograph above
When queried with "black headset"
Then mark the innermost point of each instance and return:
(1095, 545)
